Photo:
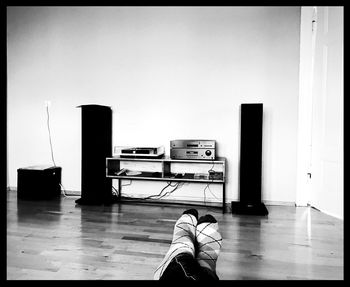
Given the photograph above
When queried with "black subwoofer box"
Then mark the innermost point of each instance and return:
(39, 182)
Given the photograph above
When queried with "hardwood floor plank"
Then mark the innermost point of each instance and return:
(147, 239)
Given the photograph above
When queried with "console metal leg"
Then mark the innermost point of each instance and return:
(119, 189)
(223, 198)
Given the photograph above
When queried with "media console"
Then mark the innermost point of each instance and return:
(167, 169)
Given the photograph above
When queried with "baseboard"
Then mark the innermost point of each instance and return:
(73, 192)
(67, 192)
(268, 202)
(279, 203)
(328, 213)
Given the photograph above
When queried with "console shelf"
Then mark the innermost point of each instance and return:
(167, 169)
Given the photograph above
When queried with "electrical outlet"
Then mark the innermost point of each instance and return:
(47, 104)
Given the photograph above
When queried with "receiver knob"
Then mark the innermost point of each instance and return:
(208, 152)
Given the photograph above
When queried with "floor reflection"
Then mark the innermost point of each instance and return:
(39, 211)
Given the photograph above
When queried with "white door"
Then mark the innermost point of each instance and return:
(327, 143)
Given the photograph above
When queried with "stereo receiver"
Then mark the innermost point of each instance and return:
(193, 153)
(192, 144)
(192, 149)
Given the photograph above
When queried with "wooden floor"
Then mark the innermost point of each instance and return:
(59, 240)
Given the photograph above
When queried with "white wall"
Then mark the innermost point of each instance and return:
(167, 73)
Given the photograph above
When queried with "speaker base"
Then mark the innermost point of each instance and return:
(85, 201)
(249, 209)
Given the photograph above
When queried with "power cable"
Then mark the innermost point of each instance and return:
(48, 127)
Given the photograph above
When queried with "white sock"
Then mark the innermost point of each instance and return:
(209, 244)
(183, 241)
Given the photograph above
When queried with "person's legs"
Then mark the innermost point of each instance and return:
(194, 249)
(182, 267)
(208, 244)
(182, 243)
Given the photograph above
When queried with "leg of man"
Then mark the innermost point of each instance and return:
(209, 241)
(182, 267)
(182, 243)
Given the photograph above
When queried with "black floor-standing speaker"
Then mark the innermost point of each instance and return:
(96, 146)
(250, 162)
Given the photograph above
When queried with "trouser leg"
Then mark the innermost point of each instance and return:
(185, 267)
